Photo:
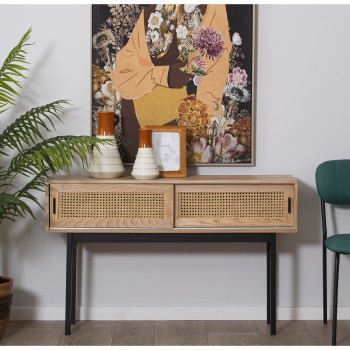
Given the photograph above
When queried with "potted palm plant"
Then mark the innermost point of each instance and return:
(26, 155)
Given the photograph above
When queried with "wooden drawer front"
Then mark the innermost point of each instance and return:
(234, 205)
(111, 206)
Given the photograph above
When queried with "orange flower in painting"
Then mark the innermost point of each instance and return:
(242, 130)
(193, 114)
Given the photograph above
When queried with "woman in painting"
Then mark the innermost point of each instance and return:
(173, 51)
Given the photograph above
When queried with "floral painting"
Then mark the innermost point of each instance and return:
(189, 65)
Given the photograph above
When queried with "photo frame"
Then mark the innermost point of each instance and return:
(169, 148)
(220, 133)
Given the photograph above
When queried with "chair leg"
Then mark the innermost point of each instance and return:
(324, 263)
(335, 299)
(324, 260)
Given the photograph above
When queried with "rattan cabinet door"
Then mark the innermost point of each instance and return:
(235, 205)
(75, 206)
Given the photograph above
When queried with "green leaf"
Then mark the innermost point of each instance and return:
(25, 130)
(11, 207)
(37, 157)
(9, 71)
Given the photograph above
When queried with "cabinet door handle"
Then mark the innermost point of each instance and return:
(289, 205)
(54, 206)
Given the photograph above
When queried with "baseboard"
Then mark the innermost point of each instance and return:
(173, 313)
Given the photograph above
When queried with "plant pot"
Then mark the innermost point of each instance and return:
(5, 302)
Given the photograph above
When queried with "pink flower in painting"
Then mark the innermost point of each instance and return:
(208, 42)
(225, 145)
(238, 77)
(198, 151)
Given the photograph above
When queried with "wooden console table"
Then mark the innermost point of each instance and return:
(192, 209)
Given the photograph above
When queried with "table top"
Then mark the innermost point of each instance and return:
(195, 179)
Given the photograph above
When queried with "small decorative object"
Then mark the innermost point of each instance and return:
(169, 147)
(145, 166)
(106, 162)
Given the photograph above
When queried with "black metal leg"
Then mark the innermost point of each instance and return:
(273, 282)
(324, 261)
(71, 262)
(335, 299)
(68, 285)
(268, 283)
(324, 284)
(74, 280)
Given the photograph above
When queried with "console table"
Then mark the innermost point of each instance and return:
(191, 209)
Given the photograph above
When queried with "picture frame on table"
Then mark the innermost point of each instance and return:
(169, 147)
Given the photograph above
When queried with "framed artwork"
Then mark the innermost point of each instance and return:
(169, 148)
(178, 65)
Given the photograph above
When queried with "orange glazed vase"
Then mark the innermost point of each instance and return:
(106, 162)
(145, 166)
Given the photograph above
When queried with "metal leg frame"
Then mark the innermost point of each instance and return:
(335, 299)
(268, 283)
(74, 238)
(71, 282)
(69, 268)
(324, 260)
(273, 279)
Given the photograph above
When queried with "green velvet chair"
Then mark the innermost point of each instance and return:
(333, 186)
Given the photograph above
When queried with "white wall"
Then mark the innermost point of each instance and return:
(303, 96)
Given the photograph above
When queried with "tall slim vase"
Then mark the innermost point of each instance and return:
(106, 162)
(145, 166)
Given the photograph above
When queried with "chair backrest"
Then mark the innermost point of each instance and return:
(333, 181)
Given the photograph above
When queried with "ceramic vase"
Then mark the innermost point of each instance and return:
(106, 162)
(145, 166)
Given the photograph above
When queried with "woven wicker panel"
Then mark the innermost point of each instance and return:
(232, 205)
(111, 205)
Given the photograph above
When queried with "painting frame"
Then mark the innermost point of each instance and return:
(250, 132)
(180, 152)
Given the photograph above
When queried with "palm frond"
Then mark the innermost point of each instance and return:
(36, 184)
(48, 157)
(54, 155)
(25, 130)
(37, 157)
(11, 70)
(11, 207)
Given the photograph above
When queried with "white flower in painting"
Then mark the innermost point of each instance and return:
(196, 80)
(218, 122)
(236, 39)
(181, 32)
(168, 38)
(108, 95)
(236, 92)
(154, 36)
(189, 8)
(159, 7)
(155, 20)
